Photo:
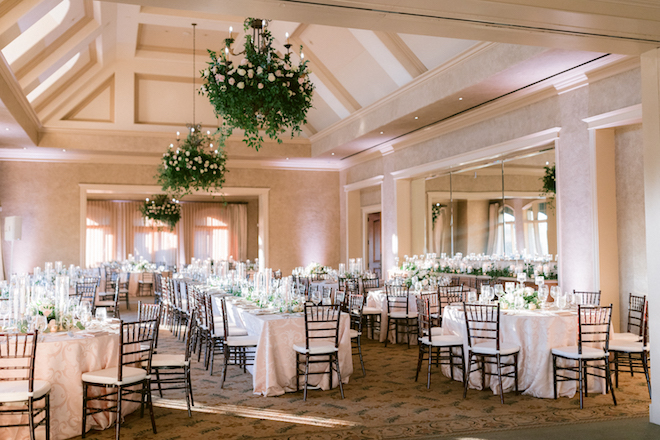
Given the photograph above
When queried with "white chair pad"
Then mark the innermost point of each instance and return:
(233, 331)
(402, 315)
(628, 346)
(442, 340)
(436, 331)
(354, 333)
(242, 341)
(17, 390)
(168, 360)
(104, 303)
(572, 352)
(108, 376)
(506, 348)
(371, 311)
(625, 337)
(319, 348)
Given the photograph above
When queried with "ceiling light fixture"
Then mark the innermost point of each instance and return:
(333, 154)
(264, 92)
(460, 99)
(416, 117)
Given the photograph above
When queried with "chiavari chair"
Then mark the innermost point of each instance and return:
(238, 350)
(635, 319)
(588, 298)
(355, 307)
(399, 314)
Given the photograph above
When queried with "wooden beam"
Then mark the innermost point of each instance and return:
(324, 74)
(402, 53)
(17, 104)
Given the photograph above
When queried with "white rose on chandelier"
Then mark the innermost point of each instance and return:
(241, 85)
(271, 77)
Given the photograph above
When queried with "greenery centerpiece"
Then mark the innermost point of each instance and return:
(265, 91)
(197, 163)
(162, 208)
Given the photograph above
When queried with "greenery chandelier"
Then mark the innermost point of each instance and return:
(162, 208)
(264, 92)
(196, 163)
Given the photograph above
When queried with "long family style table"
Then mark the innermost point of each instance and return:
(61, 359)
(274, 369)
(536, 332)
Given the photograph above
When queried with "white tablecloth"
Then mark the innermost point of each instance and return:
(61, 360)
(536, 332)
(274, 370)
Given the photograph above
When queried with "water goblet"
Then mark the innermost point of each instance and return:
(499, 290)
(101, 314)
(519, 302)
(543, 294)
(472, 296)
(555, 293)
(561, 301)
(316, 297)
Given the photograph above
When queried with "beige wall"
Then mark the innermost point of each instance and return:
(304, 221)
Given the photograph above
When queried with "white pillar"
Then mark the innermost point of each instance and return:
(651, 127)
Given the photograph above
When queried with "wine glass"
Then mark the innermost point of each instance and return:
(543, 294)
(499, 290)
(101, 314)
(555, 293)
(561, 301)
(472, 296)
(316, 297)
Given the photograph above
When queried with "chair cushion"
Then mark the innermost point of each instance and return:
(442, 340)
(318, 348)
(108, 376)
(242, 341)
(436, 331)
(371, 311)
(354, 333)
(506, 348)
(402, 315)
(628, 346)
(17, 390)
(233, 331)
(625, 337)
(104, 303)
(168, 360)
(572, 352)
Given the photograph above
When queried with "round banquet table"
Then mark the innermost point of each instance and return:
(61, 360)
(536, 332)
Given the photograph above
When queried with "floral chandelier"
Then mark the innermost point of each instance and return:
(263, 92)
(162, 208)
(197, 163)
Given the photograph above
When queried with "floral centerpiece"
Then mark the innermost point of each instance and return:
(314, 268)
(57, 320)
(264, 92)
(530, 298)
(195, 164)
(423, 274)
(162, 208)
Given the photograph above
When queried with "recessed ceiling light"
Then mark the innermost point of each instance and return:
(333, 154)
(381, 132)
(416, 117)
(63, 149)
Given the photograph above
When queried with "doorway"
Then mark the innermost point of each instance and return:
(373, 243)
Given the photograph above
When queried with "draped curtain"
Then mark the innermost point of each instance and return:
(2, 268)
(440, 244)
(492, 227)
(206, 230)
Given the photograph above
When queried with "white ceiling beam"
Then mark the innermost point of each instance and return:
(20, 16)
(17, 105)
(324, 75)
(127, 30)
(402, 53)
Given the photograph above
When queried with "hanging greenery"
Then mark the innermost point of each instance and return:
(549, 184)
(435, 211)
(263, 92)
(197, 163)
(162, 208)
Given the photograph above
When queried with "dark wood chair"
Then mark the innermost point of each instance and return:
(633, 356)
(146, 283)
(355, 304)
(588, 298)
(238, 350)
(431, 339)
(590, 353)
(485, 347)
(635, 320)
(130, 377)
(321, 344)
(20, 393)
(399, 314)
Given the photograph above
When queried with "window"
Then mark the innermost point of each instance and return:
(535, 224)
(506, 232)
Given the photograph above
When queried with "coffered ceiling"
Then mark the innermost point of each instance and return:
(113, 80)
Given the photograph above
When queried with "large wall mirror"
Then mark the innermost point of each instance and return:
(495, 207)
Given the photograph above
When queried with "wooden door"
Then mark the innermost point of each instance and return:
(373, 243)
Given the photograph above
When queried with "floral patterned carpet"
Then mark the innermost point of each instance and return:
(386, 404)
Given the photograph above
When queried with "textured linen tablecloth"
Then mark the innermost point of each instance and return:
(61, 360)
(536, 332)
(274, 369)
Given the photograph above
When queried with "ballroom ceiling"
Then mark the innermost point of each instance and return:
(113, 81)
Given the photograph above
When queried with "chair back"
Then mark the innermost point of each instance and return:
(432, 303)
(17, 351)
(225, 320)
(342, 282)
(210, 321)
(352, 285)
(636, 305)
(370, 283)
(147, 277)
(136, 344)
(424, 322)
(157, 283)
(86, 290)
(594, 326)
(147, 312)
(645, 324)
(482, 322)
(397, 298)
(322, 324)
(449, 295)
(355, 306)
(588, 298)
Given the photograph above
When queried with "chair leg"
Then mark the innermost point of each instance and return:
(609, 379)
(645, 365)
(428, 376)
(499, 376)
(84, 414)
(419, 360)
(359, 341)
(192, 400)
(616, 369)
(341, 385)
(48, 416)
(515, 371)
(31, 417)
(554, 374)
(160, 388)
(466, 374)
(224, 367)
(451, 362)
(118, 422)
(580, 376)
(151, 408)
(307, 376)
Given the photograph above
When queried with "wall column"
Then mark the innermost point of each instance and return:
(418, 216)
(651, 128)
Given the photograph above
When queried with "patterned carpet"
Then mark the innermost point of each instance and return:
(386, 404)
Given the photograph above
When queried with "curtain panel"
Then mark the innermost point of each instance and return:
(206, 230)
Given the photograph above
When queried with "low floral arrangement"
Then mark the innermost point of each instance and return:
(435, 211)
(198, 163)
(414, 274)
(265, 92)
(56, 321)
(162, 208)
(528, 294)
(316, 269)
